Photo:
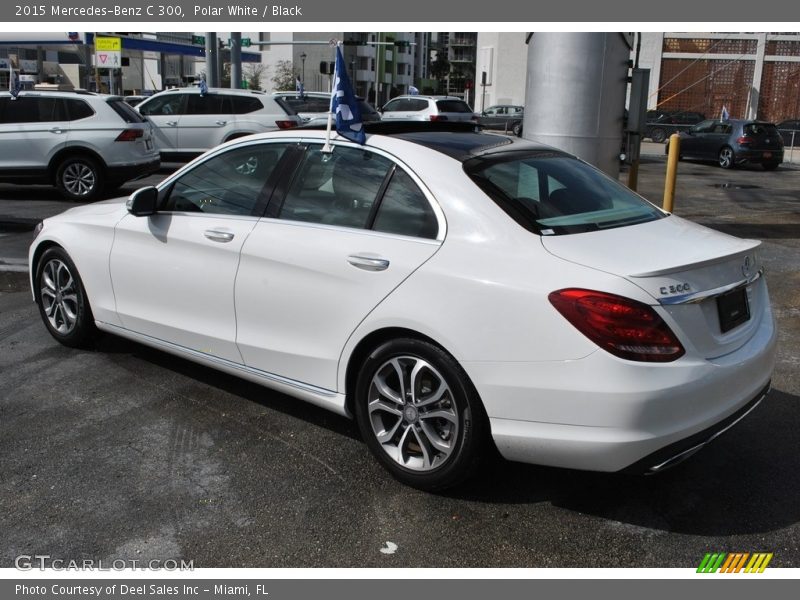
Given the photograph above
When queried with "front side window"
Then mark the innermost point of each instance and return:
(553, 194)
(227, 184)
(167, 105)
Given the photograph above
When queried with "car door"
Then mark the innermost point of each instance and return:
(33, 129)
(164, 111)
(173, 272)
(694, 142)
(207, 121)
(352, 226)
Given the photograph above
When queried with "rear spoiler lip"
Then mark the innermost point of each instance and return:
(702, 263)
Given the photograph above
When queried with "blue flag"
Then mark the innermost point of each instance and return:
(203, 85)
(344, 105)
(299, 87)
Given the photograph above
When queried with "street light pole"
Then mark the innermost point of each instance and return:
(303, 57)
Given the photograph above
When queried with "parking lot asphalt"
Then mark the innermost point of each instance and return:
(126, 452)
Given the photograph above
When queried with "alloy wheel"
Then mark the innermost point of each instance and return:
(59, 296)
(413, 414)
(79, 179)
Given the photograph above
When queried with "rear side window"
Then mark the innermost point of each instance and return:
(453, 106)
(245, 104)
(30, 109)
(405, 210)
(209, 104)
(336, 189)
(552, 194)
(166, 105)
(123, 109)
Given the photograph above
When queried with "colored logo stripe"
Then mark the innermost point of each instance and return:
(734, 562)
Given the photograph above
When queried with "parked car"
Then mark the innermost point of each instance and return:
(502, 116)
(189, 122)
(427, 108)
(79, 142)
(790, 132)
(733, 142)
(313, 107)
(662, 124)
(449, 290)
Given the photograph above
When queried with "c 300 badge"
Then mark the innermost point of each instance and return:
(678, 288)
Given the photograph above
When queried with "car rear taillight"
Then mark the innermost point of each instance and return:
(624, 327)
(438, 118)
(285, 124)
(744, 140)
(130, 135)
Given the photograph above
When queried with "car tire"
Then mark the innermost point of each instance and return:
(770, 166)
(658, 135)
(400, 386)
(517, 129)
(61, 297)
(79, 179)
(727, 158)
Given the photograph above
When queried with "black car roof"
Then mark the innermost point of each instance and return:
(461, 140)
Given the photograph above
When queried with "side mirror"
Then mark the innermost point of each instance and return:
(143, 202)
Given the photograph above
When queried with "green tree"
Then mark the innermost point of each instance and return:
(253, 72)
(285, 76)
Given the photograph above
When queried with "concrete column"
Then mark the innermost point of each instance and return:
(236, 60)
(212, 60)
(758, 71)
(575, 94)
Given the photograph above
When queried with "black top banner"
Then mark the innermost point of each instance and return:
(359, 11)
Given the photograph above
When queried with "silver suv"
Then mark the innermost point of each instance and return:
(78, 141)
(427, 108)
(188, 123)
(313, 107)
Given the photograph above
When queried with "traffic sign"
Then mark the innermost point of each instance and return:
(108, 52)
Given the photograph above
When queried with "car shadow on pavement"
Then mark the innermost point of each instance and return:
(746, 481)
(229, 384)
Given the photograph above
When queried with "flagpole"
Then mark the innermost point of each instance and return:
(327, 149)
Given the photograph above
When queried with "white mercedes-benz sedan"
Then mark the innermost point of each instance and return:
(448, 289)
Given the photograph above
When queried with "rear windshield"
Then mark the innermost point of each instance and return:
(124, 110)
(550, 193)
(453, 106)
(308, 104)
(760, 129)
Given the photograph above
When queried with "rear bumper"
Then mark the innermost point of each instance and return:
(757, 156)
(604, 414)
(135, 171)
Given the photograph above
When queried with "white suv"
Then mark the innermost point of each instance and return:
(78, 141)
(188, 123)
(427, 108)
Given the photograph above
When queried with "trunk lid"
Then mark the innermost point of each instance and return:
(695, 274)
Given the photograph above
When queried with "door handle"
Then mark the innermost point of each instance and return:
(221, 123)
(215, 235)
(56, 130)
(172, 123)
(368, 263)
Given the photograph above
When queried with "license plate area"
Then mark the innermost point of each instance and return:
(767, 154)
(733, 309)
